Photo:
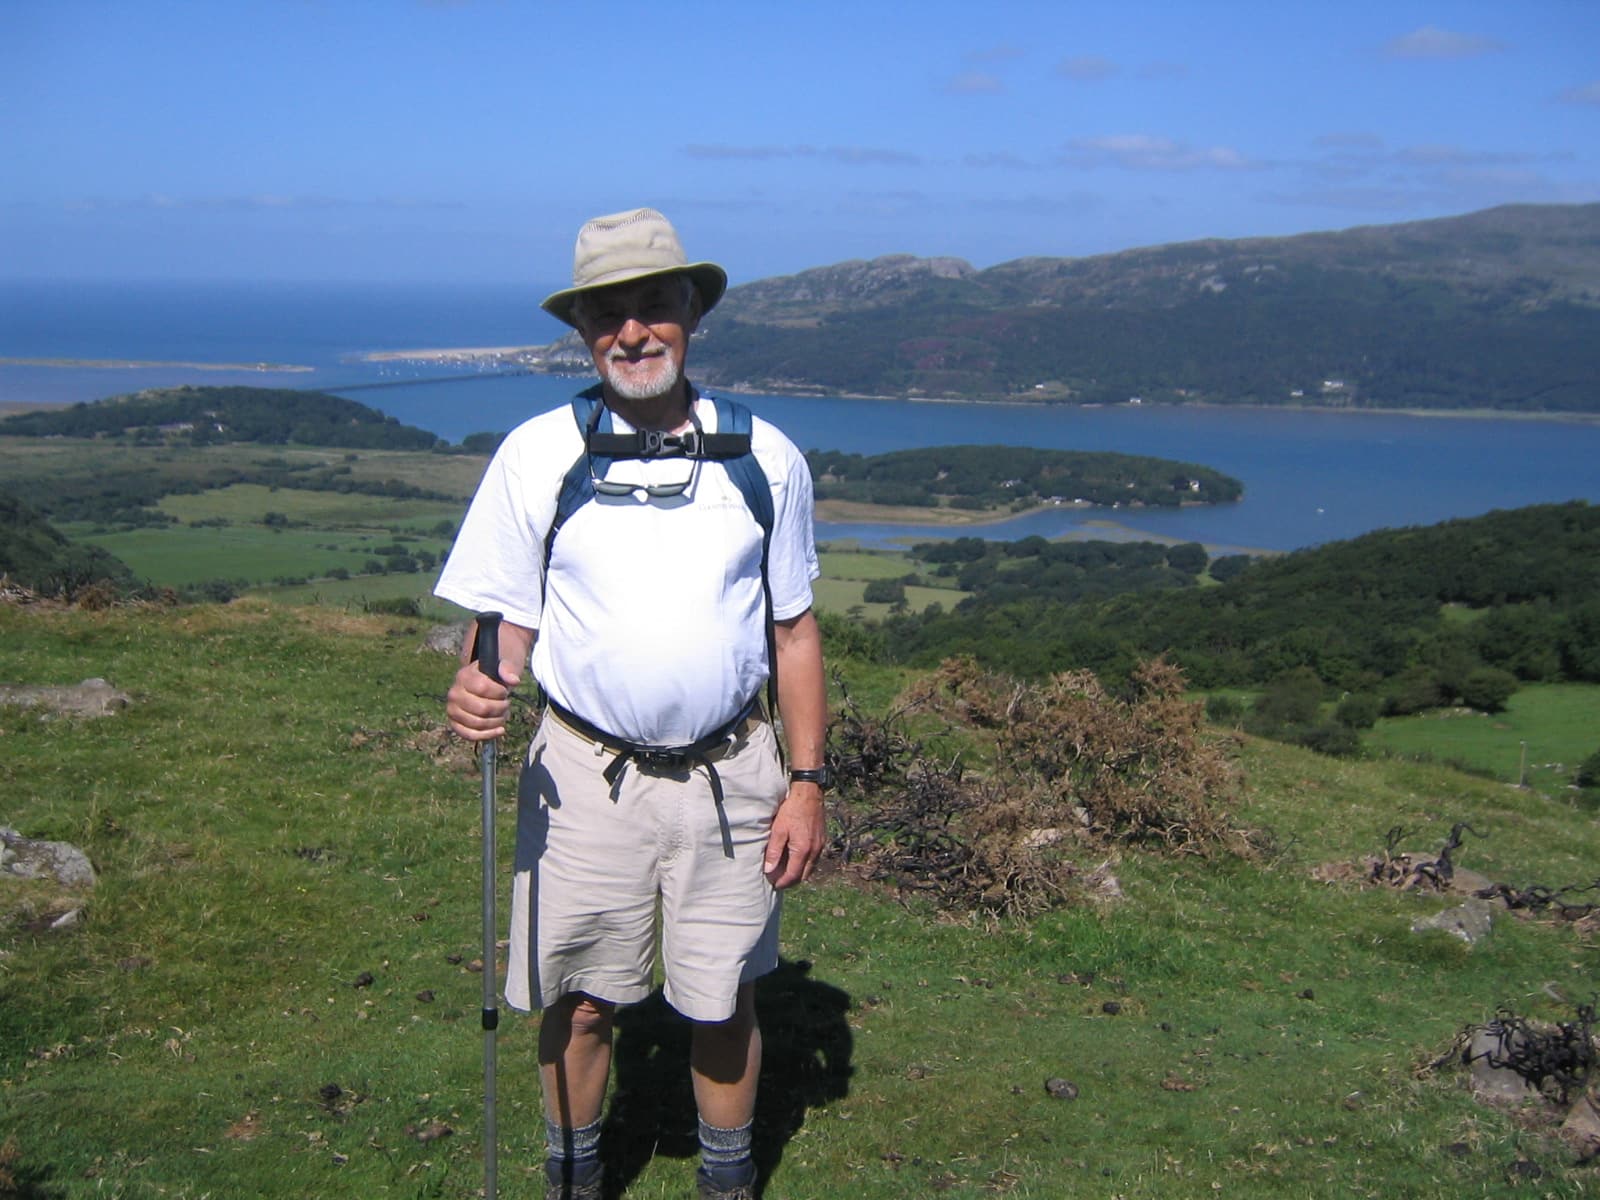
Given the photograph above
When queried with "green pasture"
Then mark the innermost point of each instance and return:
(247, 502)
(271, 993)
(175, 556)
(1559, 723)
(357, 594)
(864, 565)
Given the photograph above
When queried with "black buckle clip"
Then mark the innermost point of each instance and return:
(654, 443)
(662, 760)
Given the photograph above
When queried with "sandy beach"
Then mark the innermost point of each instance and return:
(124, 364)
(450, 354)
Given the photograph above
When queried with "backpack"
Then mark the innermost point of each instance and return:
(729, 446)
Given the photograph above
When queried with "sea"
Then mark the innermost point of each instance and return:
(1310, 476)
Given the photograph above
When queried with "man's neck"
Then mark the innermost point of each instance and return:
(668, 412)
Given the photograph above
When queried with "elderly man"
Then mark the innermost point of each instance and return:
(652, 548)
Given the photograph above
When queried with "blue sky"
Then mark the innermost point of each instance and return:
(467, 140)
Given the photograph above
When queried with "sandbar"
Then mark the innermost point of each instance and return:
(123, 364)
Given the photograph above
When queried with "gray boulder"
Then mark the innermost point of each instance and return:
(91, 698)
(1471, 921)
(59, 862)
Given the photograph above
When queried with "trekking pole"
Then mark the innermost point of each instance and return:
(486, 652)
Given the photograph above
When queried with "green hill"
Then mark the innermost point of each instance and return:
(1513, 590)
(271, 991)
(37, 556)
(212, 415)
(1494, 310)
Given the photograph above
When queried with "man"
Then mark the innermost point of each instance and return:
(654, 778)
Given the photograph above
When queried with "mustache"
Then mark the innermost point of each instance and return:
(618, 354)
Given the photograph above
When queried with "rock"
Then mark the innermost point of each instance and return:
(1491, 1079)
(1581, 1129)
(91, 698)
(1471, 921)
(1061, 1089)
(445, 639)
(1469, 883)
(62, 862)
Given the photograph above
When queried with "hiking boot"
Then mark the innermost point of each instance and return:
(706, 1190)
(592, 1190)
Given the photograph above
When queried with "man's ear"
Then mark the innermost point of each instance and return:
(693, 320)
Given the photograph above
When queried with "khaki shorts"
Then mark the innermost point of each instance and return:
(592, 861)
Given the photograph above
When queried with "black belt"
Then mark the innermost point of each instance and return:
(664, 758)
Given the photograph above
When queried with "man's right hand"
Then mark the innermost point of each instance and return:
(476, 705)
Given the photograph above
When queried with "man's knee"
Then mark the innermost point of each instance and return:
(579, 1017)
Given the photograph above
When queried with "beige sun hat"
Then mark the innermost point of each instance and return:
(627, 246)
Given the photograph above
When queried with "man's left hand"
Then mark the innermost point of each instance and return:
(799, 833)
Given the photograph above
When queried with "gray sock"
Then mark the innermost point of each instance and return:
(571, 1155)
(725, 1157)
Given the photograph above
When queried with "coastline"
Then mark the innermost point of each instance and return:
(536, 356)
(447, 354)
(129, 364)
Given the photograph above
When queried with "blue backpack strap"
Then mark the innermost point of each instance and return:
(751, 480)
(745, 471)
(577, 486)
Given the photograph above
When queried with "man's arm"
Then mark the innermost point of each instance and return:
(476, 705)
(799, 828)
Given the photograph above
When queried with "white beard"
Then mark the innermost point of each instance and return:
(660, 377)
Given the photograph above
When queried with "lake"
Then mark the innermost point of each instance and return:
(1310, 477)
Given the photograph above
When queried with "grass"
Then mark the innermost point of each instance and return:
(275, 817)
(1558, 723)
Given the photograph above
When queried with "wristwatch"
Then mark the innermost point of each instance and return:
(820, 776)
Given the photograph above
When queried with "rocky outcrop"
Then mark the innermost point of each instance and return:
(91, 698)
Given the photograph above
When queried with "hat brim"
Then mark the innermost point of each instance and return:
(709, 280)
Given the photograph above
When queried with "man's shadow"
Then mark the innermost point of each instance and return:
(806, 1046)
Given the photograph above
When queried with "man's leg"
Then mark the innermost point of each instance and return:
(725, 1064)
(574, 1065)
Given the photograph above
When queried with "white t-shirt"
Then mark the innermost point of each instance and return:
(652, 625)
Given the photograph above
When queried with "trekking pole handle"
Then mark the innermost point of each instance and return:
(486, 645)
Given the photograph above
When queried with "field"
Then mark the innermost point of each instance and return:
(272, 991)
(1545, 732)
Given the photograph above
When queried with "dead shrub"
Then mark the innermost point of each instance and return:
(1132, 768)
(1076, 771)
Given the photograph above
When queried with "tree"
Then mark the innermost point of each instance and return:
(1189, 557)
(1488, 688)
(884, 591)
(1589, 771)
(1291, 701)
(1359, 710)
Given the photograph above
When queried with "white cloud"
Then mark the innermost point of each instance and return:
(995, 54)
(1432, 42)
(1144, 152)
(1003, 159)
(974, 83)
(1583, 93)
(1086, 68)
(1348, 141)
(853, 156)
(1163, 70)
(258, 202)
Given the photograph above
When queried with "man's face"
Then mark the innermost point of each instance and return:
(638, 334)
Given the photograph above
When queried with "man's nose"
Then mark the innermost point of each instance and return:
(633, 332)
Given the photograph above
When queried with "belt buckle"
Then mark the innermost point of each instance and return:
(662, 760)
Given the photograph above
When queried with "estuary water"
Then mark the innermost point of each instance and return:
(1310, 477)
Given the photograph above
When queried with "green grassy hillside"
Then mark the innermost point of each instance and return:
(272, 993)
